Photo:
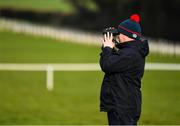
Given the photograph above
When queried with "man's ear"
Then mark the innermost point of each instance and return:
(121, 37)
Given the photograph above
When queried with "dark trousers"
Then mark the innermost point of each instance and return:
(116, 119)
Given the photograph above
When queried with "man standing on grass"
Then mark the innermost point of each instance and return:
(123, 68)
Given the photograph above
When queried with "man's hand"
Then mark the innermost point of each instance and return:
(108, 40)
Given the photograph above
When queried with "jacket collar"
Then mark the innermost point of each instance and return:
(126, 44)
(141, 46)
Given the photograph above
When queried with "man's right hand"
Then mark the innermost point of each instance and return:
(108, 40)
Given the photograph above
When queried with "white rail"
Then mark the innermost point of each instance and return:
(56, 67)
(50, 68)
(64, 34)
(78, 66)
(156, 46)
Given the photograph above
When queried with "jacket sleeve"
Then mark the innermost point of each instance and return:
(114, 62)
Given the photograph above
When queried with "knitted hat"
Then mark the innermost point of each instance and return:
(131, 27)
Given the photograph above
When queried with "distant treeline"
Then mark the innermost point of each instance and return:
(159, 18)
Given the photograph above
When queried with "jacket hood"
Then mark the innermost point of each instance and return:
(141, 46)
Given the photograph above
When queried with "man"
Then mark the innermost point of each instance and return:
(123, 68)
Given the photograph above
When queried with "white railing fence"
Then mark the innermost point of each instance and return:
(64, 34)
(50, 68)
(70, 35)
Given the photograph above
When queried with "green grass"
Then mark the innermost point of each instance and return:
(75, 98)
(63, 6)
(19, 48)
(163, 58)
(161, 98)
(39, 5)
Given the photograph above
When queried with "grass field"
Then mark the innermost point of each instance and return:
(39, 5)
(75, 99)
(63, 6)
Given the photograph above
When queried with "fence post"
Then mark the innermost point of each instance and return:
(50, 78)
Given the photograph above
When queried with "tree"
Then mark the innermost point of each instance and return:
(159, 18)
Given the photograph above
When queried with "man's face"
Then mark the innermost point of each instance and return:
(121, 38)
(118, 38)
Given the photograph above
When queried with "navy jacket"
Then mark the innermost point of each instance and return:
(121, 87)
